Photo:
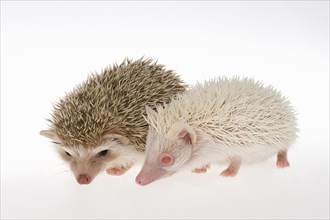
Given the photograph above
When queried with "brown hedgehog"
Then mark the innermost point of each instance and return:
(100, 125)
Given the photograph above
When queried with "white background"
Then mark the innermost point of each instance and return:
(49, 47)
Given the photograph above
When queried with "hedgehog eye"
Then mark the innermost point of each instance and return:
(167, 159)
(67, 154)
(102, 153)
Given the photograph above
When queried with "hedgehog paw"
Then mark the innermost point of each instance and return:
(117, 171)
(232, 169)
(202, 169)
(282, 160)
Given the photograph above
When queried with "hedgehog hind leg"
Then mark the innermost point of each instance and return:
(232, 169)
(282, 159)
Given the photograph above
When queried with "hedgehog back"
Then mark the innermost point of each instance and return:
(235, 112)
(113, 102)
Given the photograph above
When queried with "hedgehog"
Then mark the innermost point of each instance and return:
(100, 124)
(225, 120)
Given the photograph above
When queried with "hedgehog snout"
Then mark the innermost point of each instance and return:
(140, 181)
(84, 179)
(150, 173)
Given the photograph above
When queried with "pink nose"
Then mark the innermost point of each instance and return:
(84, 179)
(140, 181)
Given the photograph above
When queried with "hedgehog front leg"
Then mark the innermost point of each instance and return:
(117, 171)
(232, 169)
(282, 160)
(202, 169)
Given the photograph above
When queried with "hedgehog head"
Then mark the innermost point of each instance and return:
(166, 152)
(86, 163)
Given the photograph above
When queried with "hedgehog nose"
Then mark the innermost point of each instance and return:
(141, 181)
(84, 179)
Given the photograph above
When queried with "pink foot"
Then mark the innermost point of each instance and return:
(117, 171)
(201, 169)
(282, 160)
(232, 169)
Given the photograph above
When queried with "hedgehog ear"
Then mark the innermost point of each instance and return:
(49, 134)
(116, 137)
(150, 113)
(183, 132)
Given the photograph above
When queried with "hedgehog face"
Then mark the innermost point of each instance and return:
(87, 162)
(167, 153)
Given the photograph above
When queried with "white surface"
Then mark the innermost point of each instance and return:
(48, 47)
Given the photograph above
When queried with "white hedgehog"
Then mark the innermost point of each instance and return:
(225, 120)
